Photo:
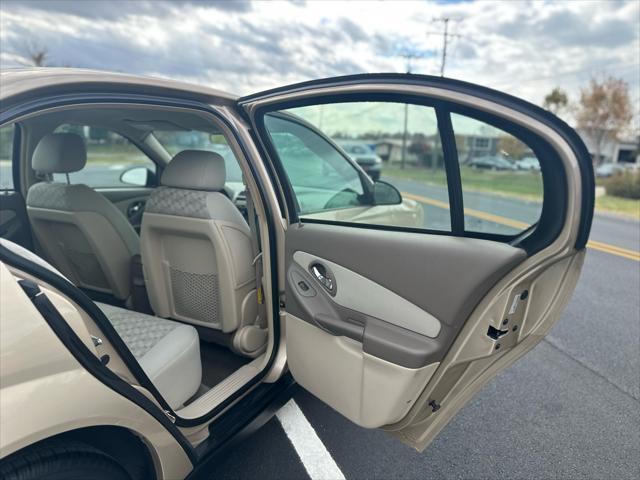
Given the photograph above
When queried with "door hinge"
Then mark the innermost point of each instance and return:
(170, 416)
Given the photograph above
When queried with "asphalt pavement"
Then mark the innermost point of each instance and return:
(570, 408)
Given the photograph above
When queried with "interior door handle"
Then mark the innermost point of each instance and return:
(135, 208)
(324, 277)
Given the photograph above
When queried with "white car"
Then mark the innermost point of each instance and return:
(175, 261)
(528, 163)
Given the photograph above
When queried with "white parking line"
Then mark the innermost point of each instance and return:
(312, 452)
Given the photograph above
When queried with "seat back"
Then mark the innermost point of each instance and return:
(196, 247)
(76, 228)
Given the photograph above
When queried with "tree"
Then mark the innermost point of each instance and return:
(604, 111)
(556, 101)
(512, 147)
(36, 54)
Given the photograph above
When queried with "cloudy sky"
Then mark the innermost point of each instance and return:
(521, 47)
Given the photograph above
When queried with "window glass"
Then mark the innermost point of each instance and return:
(109, 155)
(6, 153)
(501, 178)
(175, 141)
(327, 152)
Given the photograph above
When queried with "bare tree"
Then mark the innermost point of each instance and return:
(556, 101)
(35, 54)
(604, 111)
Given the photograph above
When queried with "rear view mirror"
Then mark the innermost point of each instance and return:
(385, 194)
(137, 176)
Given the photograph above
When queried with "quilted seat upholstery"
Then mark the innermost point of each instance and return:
(168, 351)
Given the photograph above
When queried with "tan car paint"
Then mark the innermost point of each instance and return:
(44, 391)
(408, 214)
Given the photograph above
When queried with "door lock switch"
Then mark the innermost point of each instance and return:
(495, 333)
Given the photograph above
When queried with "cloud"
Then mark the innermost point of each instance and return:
(525, 48)
(117, 9)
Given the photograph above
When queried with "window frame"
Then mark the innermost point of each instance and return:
(531, 239)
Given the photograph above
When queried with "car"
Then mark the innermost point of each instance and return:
(176, 262)
(528, 163)
(491, 163)
(609, 169)
(364, 156)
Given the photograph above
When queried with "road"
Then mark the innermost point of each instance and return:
(569, 409)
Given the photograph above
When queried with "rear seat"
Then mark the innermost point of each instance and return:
(168, 351)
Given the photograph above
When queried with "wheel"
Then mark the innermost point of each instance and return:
(62, 460)
(375, 176)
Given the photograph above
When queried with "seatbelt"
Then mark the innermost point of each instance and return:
(257, 258)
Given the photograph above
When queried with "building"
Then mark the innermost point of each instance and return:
(626, 150)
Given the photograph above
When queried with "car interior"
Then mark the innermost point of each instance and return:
(165, 250)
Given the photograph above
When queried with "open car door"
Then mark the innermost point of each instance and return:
(404, 297)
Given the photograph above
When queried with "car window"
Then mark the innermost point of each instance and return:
(321, 177)
(393, 142)
(178, 140)
(109, 155)
(6, 153)
(501, 178)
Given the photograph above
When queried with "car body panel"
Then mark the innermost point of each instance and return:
(36, 400)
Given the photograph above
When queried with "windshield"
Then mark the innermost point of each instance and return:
(175, 141)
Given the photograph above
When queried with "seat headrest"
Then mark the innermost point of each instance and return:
(195, 170)
(59, 153)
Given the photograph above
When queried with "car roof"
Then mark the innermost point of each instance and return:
(22, 83)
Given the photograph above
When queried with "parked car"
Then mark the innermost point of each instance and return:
(609, 169)
(528, 163)
(364, 156)
(146, 326)
(491, 163)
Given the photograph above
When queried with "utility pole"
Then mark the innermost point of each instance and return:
(408, 57)
(445, 40)
(444, 45)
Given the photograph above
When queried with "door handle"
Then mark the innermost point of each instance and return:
(324, 277)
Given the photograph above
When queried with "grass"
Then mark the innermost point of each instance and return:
(521, 185)
(524, 185)
(618, 205)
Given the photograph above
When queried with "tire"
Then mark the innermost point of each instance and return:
(62, 460)
(375, 176)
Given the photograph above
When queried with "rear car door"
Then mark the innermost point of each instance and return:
(403, 297)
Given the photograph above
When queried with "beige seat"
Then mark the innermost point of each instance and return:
(196, 252)
(168, 352)
(78, 230)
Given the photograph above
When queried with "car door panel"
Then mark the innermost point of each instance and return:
(426, 318)
(374, 332)
(130, 201)
(14, 224)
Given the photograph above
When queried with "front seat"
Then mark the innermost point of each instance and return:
(196, 251)
(81, 232)
(168, 352)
